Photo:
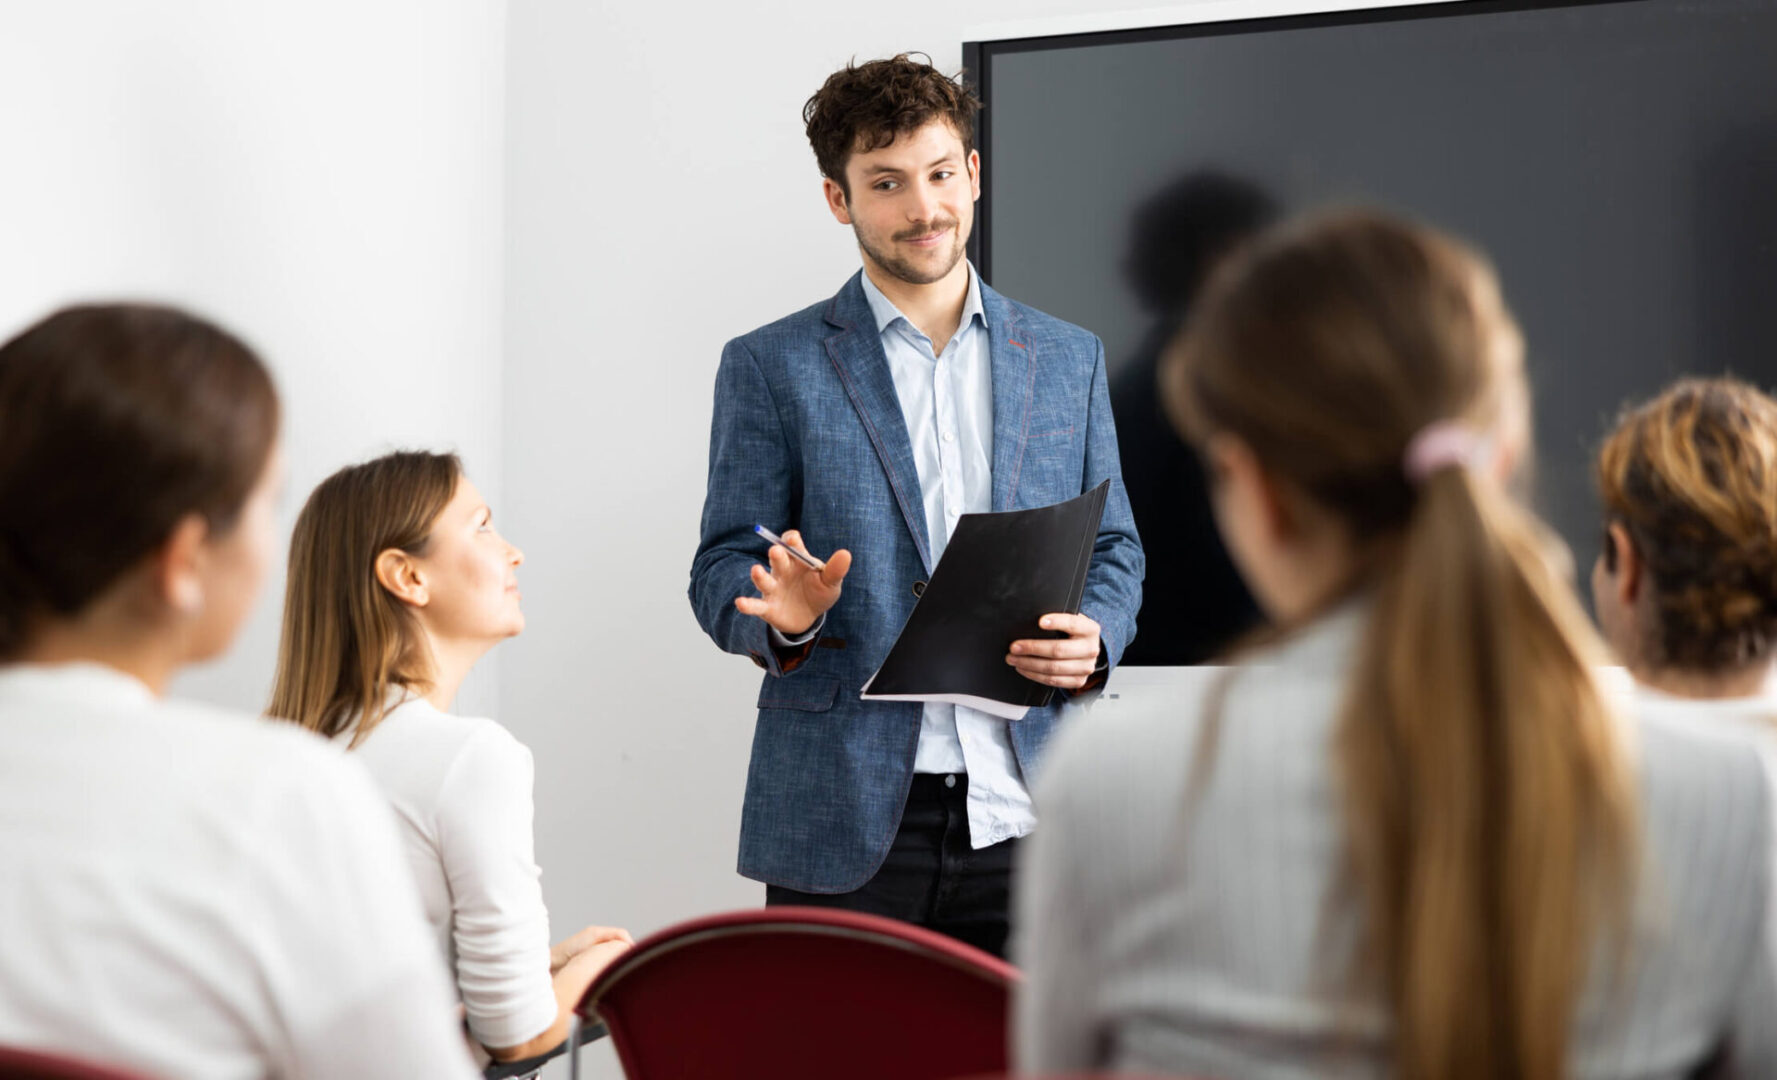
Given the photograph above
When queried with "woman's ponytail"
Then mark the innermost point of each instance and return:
(1489, 811)
(1372, 368)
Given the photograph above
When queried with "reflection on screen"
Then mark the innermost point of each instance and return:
(1616, 160)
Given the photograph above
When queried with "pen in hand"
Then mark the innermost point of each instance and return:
(793, 595)
(807, 560)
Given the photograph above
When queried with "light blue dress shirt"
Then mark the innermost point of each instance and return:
(947, 402)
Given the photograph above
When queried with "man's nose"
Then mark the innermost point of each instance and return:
(923, 207)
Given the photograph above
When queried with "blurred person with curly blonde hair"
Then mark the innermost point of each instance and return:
(1686, 584)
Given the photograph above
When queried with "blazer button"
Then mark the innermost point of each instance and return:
(919, 589)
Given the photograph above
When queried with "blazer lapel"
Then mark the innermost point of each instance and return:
(1014, 384)
(856, 352)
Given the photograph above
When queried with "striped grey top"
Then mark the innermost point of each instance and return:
(1223, 957)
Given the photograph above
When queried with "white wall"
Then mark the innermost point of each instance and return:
(325, 178)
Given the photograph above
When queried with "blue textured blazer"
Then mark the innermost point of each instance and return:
(808, 434)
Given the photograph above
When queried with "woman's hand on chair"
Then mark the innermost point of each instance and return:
(567, 949)
(570, 977)
(594, 959)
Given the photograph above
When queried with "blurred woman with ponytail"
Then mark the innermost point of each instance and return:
(1686, 584)
(185, 892)
(1408, 836)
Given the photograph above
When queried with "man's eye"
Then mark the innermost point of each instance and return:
(943, 174)
(885, 185)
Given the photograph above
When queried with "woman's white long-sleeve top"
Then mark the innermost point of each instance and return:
(460, 787)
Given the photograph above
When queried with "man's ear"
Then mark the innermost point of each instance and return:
(836, 201)
(1630, 576)
(178, 566)
(397, 573)
(975, 175)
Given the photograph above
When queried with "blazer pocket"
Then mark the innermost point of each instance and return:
(808, 693)
(1052, 461)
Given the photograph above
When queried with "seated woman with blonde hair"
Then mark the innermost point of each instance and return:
(1686, 585)
(398, 585)
(1412, 836)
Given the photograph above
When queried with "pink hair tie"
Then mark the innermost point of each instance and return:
(1445, 444)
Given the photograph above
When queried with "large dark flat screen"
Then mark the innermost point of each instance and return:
(1617, 160)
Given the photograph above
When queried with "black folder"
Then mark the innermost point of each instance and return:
(1000, 573)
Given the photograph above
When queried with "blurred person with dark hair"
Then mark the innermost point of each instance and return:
(1194, 603)
(1686, 584)
(868, 424)
(189, 892)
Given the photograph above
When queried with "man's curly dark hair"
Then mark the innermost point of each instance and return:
(865, 107)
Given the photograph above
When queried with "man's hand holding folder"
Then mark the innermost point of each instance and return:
(1068, 662)
(1006, 593)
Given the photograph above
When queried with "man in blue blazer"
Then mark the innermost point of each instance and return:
(865, 426)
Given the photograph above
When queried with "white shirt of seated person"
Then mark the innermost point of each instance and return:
(461, 787)
(199, 894)
(194, 893)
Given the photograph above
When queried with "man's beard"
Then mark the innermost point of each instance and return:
(907, 271)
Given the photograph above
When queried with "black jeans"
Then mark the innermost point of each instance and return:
(932, 877)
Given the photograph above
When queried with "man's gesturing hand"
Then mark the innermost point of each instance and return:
(791, 594)
(1065, 662)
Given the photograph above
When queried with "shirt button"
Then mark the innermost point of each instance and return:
(950, 780)
(948, 437)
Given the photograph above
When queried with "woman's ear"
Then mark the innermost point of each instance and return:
(1511, 434)
(1629, 577)
(1238, 477)
(1257, 520)
(397, 572)
(179, 566)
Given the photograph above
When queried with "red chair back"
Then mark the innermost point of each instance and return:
(1075, 1076)
(804, 994)
(20, 1064)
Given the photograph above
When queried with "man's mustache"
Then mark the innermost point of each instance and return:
(926, 230)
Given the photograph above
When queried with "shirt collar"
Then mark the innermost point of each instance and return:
(83, 681)
(886, 312)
